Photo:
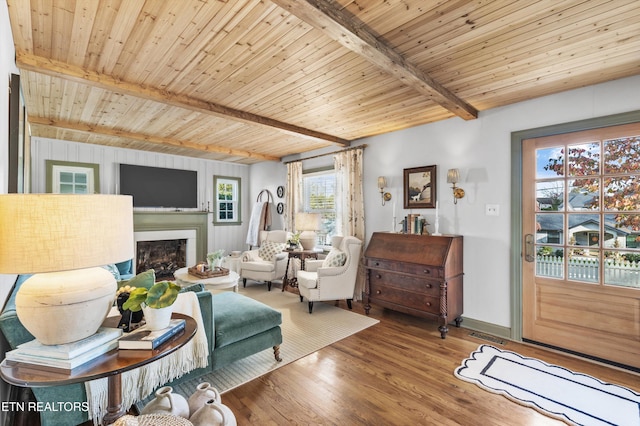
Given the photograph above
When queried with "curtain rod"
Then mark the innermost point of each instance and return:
(328, 153)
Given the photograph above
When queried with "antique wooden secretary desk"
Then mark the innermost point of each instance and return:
(417, 274)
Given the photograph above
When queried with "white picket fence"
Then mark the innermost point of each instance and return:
(620, 273)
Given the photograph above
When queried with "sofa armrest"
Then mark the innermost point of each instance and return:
(205, 299)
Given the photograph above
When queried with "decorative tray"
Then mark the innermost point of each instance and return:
(208, 273)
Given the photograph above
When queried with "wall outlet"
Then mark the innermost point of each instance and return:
(492, 209)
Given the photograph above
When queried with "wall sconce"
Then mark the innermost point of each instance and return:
(382, 183)
(453, 176)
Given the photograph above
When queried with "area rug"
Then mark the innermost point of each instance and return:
(302, 334)
(555, 391)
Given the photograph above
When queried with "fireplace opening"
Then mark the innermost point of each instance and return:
(163, 256)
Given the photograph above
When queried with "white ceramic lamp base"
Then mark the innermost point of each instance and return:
(308, 239)
(62, 307)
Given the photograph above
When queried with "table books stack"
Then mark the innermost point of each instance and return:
(69, 355)
(143, 338)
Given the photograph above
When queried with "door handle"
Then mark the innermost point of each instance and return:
(528, 248)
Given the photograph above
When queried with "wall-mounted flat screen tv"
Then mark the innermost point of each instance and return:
(159, 187)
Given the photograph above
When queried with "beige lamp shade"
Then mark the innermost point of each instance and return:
(58, 232)
(307, 221)
(64, 240)
(453, 176)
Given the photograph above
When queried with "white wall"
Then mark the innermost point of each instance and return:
(108, 158)
(481, 150)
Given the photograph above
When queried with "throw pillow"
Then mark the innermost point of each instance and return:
(334, 258)
(269, 249)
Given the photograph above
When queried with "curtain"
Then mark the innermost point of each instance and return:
(293, 192)
(350, 202)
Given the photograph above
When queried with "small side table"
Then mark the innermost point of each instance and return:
(183, 277)
(296, 254)
(232, 263)
(110, 365)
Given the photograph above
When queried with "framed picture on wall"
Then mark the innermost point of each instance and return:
(420, 187)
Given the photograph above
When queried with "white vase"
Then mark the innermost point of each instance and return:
(157, 318)
(213, 414)
(204, 392)
(167, 402)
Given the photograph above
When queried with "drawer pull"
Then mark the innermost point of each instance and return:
(377, 263)
(427, 271)
(378, 276)
(378, 292)
(428, 303)
(429, 286)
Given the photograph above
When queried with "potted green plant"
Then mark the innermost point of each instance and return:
(156, 303)
(294, 241)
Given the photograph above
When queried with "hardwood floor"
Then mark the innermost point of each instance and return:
(398, 372)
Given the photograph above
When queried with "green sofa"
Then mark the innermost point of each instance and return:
(236, 327)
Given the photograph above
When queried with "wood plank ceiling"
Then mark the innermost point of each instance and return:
(256, 80)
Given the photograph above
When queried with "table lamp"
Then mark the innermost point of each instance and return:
(64, 240)
(308, 224)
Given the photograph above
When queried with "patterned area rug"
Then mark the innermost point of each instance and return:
(302, 334)
(555, 391)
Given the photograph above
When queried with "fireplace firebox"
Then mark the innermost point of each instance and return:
(163, 256)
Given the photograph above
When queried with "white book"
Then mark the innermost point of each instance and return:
(64, 364)
(73, 349)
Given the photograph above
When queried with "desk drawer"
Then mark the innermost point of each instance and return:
(404, 282)
(419, 301)
(406, 268)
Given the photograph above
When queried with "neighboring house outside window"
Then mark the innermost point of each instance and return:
(319, 190)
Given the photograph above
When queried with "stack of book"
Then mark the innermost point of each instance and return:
(143, 338)
(69, 355)
(414, 224)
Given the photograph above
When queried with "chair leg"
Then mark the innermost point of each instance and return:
(244, 282)
(268, 285)
(310, 307)
(301, 298)
(349, 303)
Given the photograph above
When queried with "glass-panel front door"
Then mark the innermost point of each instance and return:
(581, 216)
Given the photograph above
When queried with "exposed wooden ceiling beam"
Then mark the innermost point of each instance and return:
(99, 130)
(355, 36)
(73, 73)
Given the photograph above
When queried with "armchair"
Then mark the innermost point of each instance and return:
(266, 263)
(335, 276)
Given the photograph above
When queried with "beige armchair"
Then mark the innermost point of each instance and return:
(266, 263)
(333, 278)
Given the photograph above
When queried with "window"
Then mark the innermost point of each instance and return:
(72, 178)
(319, 189)
(227, 200)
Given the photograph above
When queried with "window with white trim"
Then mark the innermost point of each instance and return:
(319, 194)
(227, 200)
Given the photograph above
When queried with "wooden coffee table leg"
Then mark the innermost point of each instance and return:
(115, 410)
